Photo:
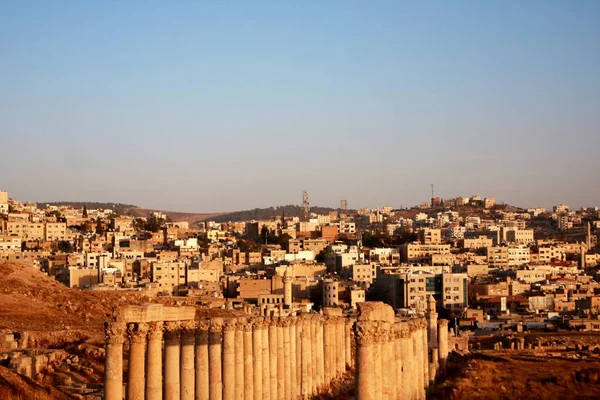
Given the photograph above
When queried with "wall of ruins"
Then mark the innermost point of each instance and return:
(173, 356)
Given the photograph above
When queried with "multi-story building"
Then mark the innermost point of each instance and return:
(3, 202)
(430, 236)
(479, 242)
(411, 290)
(55, 231)
(521, 236)
(421, 253)
(518, 255)
(25, 230)
(497, 256)
(170, 276)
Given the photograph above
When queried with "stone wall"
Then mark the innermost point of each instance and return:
(174, 356)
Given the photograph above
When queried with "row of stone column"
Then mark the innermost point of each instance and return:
(392, 360)
(235, 358)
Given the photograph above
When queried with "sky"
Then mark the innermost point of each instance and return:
(214, 106)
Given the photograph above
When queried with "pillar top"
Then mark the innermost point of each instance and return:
(375, 311)
(443, 322)
(137, 332)
(172, 330)
(155, 331)
(114, 332)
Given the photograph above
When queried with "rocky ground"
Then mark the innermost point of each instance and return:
(570, 369)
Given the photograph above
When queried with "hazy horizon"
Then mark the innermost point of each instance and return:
(226, 106)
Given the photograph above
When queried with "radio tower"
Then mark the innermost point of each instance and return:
(432, 197)
(305, 205)
(343, 209)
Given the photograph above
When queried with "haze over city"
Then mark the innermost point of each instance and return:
(220, 106)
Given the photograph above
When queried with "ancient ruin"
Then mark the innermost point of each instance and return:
(174, 356)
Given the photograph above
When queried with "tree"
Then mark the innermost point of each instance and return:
(264, 233)
(154, 224)
(85, 212)
(322, 256)
(99, 226)
(65, 246)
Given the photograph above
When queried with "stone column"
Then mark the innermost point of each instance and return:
(248, 367)
(425, 356)
(287, 370)
(137, 354)
(388, 364)
(306, 359)
(273, 359)
(154, 362)
(171, 387)
(399, 331)
(341, 341)
(257, 356)
(280, 361)
(367, 358)
(443, 343)
(348, 347)
(215, 366)
(312, 325)
(293, 359)
(239, 360)
(418, 354)
(113, 367)
(328, 350)
(266, 361)
(409, 362)
(299, 356)
(433, 366)
(202, 362)
(228, 372)
(188, 332)
(320, 354)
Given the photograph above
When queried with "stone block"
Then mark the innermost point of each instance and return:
(375, 311)
(332, 311)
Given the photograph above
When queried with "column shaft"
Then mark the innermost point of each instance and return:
(215, 366)
(239, 363)
(137, 354)
(327, 350)
(273, 359)
(266, 363)
(171, 387)
(154, 362)
(366, 360)
(229, 367)
(287, 372)
(113, 369)
(257, 357)
(280, 361)
(320, 355)
(293, 358)
(187, 361)
(248, 367)
(201, 360)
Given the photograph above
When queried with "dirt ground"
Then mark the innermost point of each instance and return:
(500, 375)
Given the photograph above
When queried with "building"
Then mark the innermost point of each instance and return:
(489, 202)
(421, 253)
(169, 276)
(55, 231)
(430, 236)
(3, 202)
(520, 236)
(411, 290)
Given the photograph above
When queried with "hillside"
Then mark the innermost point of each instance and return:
(90, 205)
(175, 216)
(271, 213)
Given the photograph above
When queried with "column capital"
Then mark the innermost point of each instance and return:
(216, 325)
(442, 323)
(257, 323)
(188, 328)
(115, 332)
(368, 332)
(155, 330)
(230, 324)
(137, 332)
(172, 330)
(203, 325)
(286, 322)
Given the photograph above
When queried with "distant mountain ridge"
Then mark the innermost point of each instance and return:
(236, 216)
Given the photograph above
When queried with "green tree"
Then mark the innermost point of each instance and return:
(85, 212)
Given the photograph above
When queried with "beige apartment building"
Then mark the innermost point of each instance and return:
(55, 231)
(421, 253)
(25, 230)
(430, 236)
(521, 236)
(497, 256)
(168, 275)
(518, 255)
(479, 242)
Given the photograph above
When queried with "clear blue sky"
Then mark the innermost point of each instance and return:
(213, 106)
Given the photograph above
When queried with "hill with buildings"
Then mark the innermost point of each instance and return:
(271, 213)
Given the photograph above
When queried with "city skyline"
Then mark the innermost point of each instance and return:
(211, 108)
